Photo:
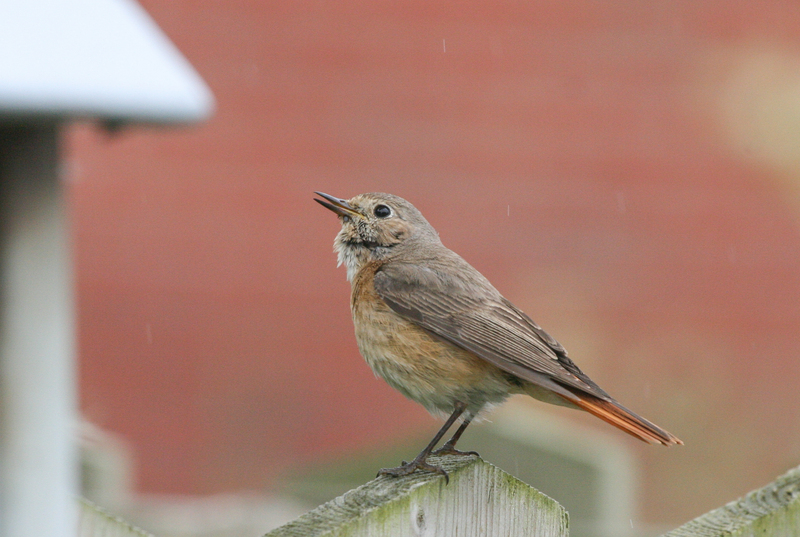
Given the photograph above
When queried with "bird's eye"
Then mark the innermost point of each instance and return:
(382, 211)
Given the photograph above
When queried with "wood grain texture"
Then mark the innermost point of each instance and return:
(481, 500)
(772, 511)
(94, 521)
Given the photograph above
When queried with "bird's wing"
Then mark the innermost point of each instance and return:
(470, 313)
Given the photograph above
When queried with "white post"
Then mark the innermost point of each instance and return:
(38, 458)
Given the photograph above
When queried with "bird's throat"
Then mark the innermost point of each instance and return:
(353, 255)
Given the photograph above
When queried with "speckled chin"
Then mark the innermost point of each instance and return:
(350, 254)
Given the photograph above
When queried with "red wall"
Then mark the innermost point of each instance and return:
(615, 168)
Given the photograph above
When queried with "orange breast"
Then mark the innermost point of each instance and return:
(420, 365)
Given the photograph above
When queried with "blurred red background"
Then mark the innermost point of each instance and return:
(625, 172)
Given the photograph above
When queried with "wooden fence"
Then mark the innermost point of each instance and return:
(771, 511)
(482, 500)
(94, 521)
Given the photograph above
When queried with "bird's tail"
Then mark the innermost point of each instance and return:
(619, 416)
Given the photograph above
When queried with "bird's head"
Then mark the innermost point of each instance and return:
(375, 227)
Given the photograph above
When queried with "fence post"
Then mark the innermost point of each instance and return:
(480, 500)
(772, 511)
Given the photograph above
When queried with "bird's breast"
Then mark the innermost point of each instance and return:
(422, 366)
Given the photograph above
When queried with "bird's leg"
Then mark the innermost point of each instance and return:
(449, 447)
(420, 461)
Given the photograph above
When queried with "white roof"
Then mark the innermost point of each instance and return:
(94, 58)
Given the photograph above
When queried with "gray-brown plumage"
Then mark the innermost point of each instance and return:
(436, 330)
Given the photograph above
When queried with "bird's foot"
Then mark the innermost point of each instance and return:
(408, 468)
(448, 449)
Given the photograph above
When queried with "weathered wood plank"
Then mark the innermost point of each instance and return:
(772, 511)
(94, 521)
(480, 500)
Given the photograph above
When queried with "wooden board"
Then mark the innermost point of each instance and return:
(480, 500)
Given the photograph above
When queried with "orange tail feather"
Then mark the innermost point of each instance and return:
(619, 416)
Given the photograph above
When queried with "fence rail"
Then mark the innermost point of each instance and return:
(94, 521)
(482, 500)
(771, 511)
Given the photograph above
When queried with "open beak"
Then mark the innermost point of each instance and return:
(339, 206)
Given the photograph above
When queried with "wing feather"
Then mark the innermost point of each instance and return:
(470, 313)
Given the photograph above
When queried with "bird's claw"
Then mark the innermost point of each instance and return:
(408, 468)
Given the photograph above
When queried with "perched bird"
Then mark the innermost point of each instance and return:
(435, 329)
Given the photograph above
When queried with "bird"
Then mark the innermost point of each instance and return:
(436, 330)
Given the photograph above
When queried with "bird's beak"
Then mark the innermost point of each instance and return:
(339, 206)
